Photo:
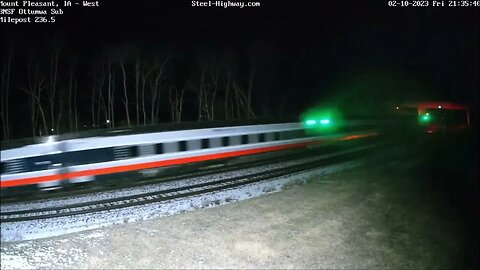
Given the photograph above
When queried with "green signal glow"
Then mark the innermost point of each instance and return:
(325, 121)
(425, 118)
(310, 122)
(321, 120)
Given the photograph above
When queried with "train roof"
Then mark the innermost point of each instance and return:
(4, 145)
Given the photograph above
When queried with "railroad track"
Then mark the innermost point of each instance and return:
(178, 175)
(175, 193)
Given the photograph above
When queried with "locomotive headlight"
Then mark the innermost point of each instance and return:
(321, 120)
(310, 122)
(325, 122)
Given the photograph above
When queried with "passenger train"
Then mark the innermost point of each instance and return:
(59, 161)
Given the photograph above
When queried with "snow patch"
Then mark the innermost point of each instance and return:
(35, 229)
(8, 261)
(94, 235)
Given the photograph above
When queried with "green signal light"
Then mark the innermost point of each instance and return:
(325, 121)
(426, 117)
(319, 121)
(310, 122)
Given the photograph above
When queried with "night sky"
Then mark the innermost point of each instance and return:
(305, 52)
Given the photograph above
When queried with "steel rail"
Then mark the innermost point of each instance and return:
(173, 193)
(283, 157)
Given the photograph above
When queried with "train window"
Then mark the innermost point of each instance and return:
(146, 150)
(244, 139)
(82, 156)
(269, 137)
(205, 143)
(215, 142)
(171, 147)
(194, 145)
(292, 134)
(286, 135)
(276, 136)
(182, 146)
(252, 138)
(225, 141)
(235, 140)
(159, 148)
(261, 137)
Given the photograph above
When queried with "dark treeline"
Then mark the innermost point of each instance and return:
(77, 78)
(56, 88)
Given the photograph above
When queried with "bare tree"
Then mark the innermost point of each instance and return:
(201, 91)
(137, 88)
(112, 100)
(59, 112)
(125, 101)
(241, 100)
(155, 87)
(110, 95)
(242, 96)
(34, 89)
(145, 74)
(176, 103)
(72, 100)
(52, 86)
(93, 99)
(75, 108)
(238, 96)
(251, 79)
(5, 84)
(215, 75)
(101, 103)
(227, 102)
(70, 91)
(209, 92)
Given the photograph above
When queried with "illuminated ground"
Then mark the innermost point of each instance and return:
(385, 215)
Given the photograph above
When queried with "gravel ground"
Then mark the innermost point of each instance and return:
(382, 215)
